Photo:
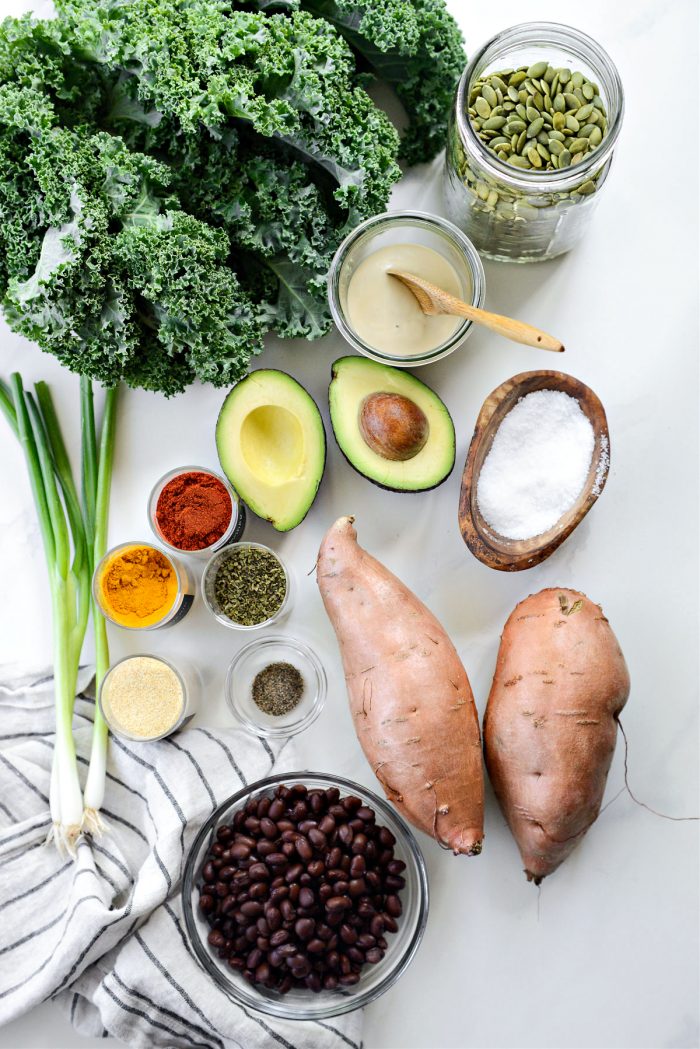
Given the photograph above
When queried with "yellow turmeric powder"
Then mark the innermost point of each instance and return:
(138, 586)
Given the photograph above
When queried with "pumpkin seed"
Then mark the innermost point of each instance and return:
(587, 187)
(552, 114)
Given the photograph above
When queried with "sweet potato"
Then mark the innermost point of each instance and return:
(551, 722)
(410, 698)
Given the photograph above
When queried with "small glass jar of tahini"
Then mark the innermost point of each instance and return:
(536, 118)
(246, 586)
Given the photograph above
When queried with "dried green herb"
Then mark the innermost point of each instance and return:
(250, 585)
(278, 688)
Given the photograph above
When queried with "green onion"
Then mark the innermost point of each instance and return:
(74, 539)
(97, 478)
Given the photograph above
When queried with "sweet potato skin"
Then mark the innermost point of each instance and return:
(551, 722)
(410, 698)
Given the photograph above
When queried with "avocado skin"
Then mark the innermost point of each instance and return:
(325, 448)
(378, 484)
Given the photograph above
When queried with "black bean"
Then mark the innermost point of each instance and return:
(348, 934)
(217, 849)
(304, 849)
(366, 941)
(345, 834)
(390, 924)
(269, 828)
(240, 851)
(224, 834)
(338, 903)
(287, 910)
(394, 881)
(263, 807)
(279, 892)
(355, 955)
(226, 873)
(374, 955)
(254, 958)
(306, 898)
(327, 824)
(366, 814)
(359, 843)
(209, 873)
(259, 872)
(227, 904)
(216, 938)
(206, 903)
(330, 982)
(358, 866)
(277, 859)
(313, 982)
(357, 887)
(348, 979)
(377, 925)
(221, 889)
(393, 906)
(306, 825)
(293, 873)
(276, 809)
(351, 803)
(316, 868)
(262, 973)
(258, 891)
(252, 823)
(316, 946)
(300, 811)
(264, 848)
(304, 928)
(317, 839)
(340, 887)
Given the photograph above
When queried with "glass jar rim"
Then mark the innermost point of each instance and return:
(217, 556)
(551, 181)
(422, 218)
(153, 504)
(120, 732)
(180, 576)
(278, 731)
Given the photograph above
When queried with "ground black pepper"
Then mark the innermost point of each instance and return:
(278, 688)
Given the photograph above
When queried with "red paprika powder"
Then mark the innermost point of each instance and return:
(193, 510)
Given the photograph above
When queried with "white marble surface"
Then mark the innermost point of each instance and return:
(607, 954)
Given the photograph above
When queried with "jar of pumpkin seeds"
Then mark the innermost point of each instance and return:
(537, 114)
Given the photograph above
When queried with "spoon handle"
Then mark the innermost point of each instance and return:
(518, 331)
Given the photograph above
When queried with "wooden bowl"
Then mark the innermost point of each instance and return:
(513, 555)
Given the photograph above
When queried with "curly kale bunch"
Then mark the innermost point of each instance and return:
(175, 178)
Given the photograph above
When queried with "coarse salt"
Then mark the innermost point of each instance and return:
(537, 465)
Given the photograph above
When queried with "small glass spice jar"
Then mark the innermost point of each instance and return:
(405, 227)
(144, 698)
(216, 605)
(189, 517)
(252, 660)
(528, 215)
(129, 594)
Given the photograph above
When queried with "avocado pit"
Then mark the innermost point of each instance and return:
(393, 426)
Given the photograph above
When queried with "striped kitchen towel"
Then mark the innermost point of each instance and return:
(103, 934)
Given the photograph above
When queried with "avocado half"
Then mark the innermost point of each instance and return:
(272, 446)
(354, 379)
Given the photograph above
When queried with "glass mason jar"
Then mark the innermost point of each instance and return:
(517, 215)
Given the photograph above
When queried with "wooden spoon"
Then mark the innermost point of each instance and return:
(433, 300)
(513, 555)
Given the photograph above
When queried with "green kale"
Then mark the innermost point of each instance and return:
(118, 284)
(415, 46)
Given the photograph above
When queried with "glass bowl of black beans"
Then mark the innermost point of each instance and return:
(305, 896)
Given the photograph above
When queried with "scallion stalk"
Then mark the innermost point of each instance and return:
(97, 479)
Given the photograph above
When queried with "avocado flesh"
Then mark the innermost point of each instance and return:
(354, 379)
(272, 446)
